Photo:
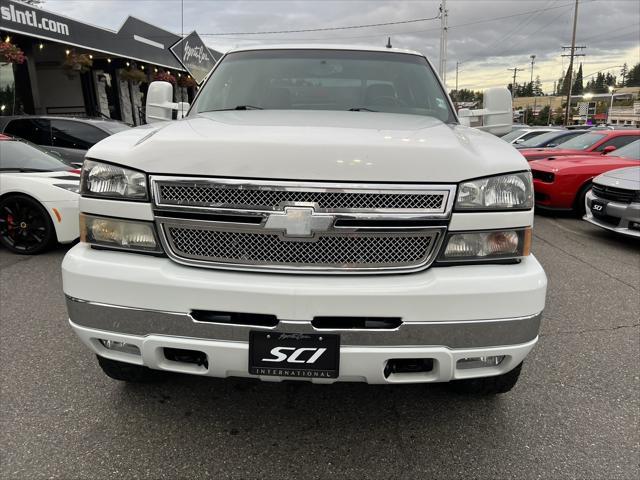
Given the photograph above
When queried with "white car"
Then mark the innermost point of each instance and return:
(38, 198)
(321, 214)
(521, 135)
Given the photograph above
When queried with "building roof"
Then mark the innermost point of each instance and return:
(135, 39)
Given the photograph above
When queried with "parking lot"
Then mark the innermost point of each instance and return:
(574, 413)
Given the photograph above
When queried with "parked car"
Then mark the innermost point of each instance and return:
(549, 139)
(523, 134)
(563, 183)
(613, 203)
(38, 198)
(272, 249)
(589, 143)
(67, 137)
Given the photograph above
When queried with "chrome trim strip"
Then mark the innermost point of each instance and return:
(452, 334)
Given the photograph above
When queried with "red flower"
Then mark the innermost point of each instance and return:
(165, 77)
(9, 53)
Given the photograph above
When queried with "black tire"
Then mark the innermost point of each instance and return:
(25, 225)
(127, 372)
(579, 207)
(487, 385)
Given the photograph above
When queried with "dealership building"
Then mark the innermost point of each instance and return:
(53, 65)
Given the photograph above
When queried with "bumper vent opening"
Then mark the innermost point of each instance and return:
(360, 323)
(235, 318)
(181, 355)
(408, 365)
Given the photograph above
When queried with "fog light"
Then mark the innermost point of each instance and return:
(118, 233)
(479, 362)
(120, 347)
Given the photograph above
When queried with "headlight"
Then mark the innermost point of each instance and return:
(494, 245)
(505, 192)
(111, 181)
(118, 233)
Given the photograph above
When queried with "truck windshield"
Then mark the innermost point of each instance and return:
(311, 79)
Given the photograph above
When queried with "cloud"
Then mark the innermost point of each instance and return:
(486, 36)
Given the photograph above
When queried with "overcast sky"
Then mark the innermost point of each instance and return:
(486, 36)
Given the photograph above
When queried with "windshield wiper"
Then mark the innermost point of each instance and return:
(361, 109)
(237, 107)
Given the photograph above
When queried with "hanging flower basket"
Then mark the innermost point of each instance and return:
(187, 82)
(10, 53)
(134, 75)
(165, 77)
(77, 63)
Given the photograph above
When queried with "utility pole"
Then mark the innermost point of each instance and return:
(443, 41)
(457, 66)
(515, 71)
(570, 70)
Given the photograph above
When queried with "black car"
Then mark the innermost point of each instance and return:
(549, 139)
(67, 137)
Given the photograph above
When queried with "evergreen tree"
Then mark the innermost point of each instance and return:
(633, 78)
(624, 73)
(578, 86)
(537, 87)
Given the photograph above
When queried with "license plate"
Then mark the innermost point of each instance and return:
(300, 355)
(598, 208)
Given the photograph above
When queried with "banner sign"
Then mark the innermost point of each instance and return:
(194, 55)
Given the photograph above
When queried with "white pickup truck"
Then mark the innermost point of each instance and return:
(317, 213)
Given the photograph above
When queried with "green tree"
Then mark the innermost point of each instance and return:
(633, 78)
(537, 87)
(624, 73)
(578, 86)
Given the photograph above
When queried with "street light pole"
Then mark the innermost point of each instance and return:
(611, 90)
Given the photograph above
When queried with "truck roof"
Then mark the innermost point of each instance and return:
(324, 46)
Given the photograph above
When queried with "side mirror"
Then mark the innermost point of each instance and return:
(160, 104)
(497, 115)
(497, 101)
(520, 140)
(608, 149)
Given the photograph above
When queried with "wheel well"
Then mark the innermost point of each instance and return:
(583, 188)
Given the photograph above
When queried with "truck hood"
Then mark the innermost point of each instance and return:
(312, 145)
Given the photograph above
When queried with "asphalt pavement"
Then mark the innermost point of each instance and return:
(573, 414)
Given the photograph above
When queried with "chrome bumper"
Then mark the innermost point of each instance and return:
(451, 334)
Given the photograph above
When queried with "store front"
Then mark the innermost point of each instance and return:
(54, 65)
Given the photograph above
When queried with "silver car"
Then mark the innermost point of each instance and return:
(613, 202)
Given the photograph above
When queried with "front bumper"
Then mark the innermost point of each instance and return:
(617, 216)
(447, 313)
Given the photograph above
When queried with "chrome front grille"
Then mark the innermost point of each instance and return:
(301, 226)
(266, 196)
(368, 250)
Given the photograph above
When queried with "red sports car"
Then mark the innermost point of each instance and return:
(561, 184)
(591, 143)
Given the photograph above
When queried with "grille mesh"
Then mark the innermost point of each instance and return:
(616, 194)
(338, 250)
(214, 195)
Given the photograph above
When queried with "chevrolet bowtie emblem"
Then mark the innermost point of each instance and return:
(299, 222)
